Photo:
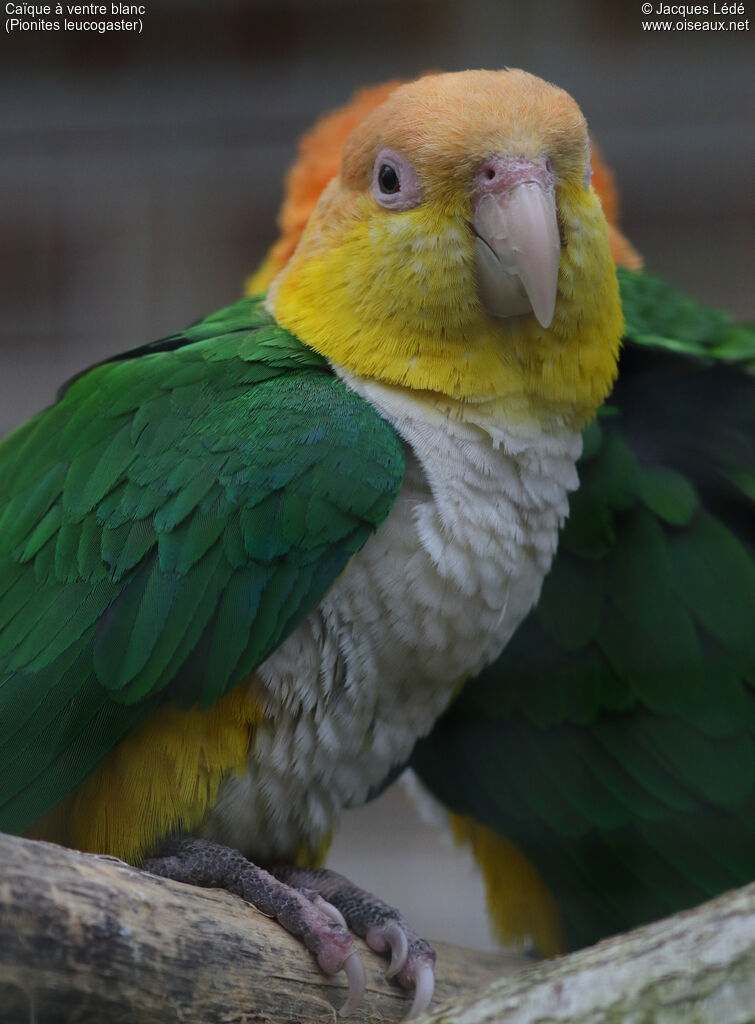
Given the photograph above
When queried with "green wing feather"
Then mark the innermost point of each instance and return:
(660, 316)
(163, 528)
(614, 739)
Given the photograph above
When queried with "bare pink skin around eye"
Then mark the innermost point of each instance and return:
(409, 193)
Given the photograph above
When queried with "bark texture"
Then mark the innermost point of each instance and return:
(693, 968)
(86, 938)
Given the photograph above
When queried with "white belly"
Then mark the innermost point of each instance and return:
(431, 598)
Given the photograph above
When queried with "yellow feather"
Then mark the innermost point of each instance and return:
(393, 296)
(344, 302)
(521, 908)
(160, 779)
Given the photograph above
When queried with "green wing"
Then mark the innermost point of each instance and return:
(163, 528)
(614, 739)
(659, 316)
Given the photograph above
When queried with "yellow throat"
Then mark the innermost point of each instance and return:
(393, 295)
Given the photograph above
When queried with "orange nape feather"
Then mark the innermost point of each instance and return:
(395, 298)
(318, 161)
(623, 252)
(160, 780)
(319, 154)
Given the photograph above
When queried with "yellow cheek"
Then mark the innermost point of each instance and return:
(394, 297)
(400, 305)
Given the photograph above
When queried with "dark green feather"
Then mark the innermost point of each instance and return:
(614, 739)
(163, 528)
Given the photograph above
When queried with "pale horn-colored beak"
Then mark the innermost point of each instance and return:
(518, 245)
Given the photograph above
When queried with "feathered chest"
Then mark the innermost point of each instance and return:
(431, 598)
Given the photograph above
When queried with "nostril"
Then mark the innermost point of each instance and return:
(498, 173)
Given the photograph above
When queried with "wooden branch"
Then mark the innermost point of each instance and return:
(85, 938)
(693, 968)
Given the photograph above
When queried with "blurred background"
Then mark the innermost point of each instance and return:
(140, 177)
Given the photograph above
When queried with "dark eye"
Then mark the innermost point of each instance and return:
(388, 180)
(395, 184)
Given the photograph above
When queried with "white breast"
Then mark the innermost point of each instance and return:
(431, 598)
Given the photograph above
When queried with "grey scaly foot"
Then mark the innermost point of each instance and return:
(213, 866)
(381, 926)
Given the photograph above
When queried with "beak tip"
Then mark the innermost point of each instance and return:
(519, 253)
(544, 305)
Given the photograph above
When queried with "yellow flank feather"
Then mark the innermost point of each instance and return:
(311, 854)
(393, 295)
(159, 780)
(521, 908)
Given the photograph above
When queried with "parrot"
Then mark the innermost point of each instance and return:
(629, 691)
(245, 567)
(628, 688)
(318, 159)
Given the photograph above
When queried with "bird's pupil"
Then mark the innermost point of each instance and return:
(388, 179)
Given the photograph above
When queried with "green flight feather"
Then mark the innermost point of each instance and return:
(658, 315)
(614, 739)
(163, 528)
